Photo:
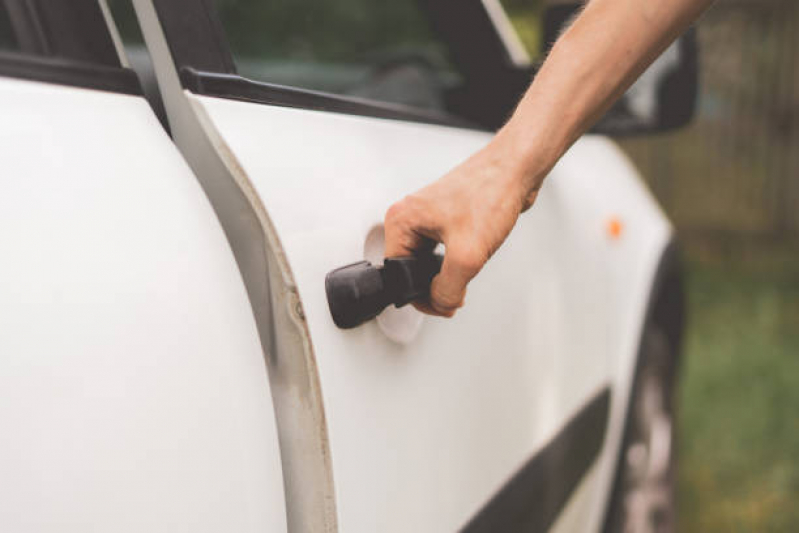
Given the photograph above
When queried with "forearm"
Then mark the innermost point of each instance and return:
(594, 62)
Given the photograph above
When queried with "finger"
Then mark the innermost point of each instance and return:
(428, 309)
(408, 229)
(448, 290)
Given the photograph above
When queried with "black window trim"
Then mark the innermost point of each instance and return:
(235, 87)
(202, 56)
(71, 73)
(51, 52)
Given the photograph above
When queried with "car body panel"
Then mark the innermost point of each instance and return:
(422, 434)
(135, 394)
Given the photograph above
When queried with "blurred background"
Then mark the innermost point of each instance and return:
(730, 183)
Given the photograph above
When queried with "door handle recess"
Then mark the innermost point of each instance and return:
(360, 291)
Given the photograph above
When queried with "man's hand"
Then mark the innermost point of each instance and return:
(471, 210)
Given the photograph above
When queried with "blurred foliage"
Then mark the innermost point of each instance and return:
(526, 17)
(730, 182)
(739, 446)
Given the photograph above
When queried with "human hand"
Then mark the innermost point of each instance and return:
(472, 209)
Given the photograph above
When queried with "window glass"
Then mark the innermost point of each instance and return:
(526, 17)
(368, 48)
(74, 30)
(7, 39)
(65, 43)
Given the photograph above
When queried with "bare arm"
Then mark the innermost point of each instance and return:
(473, 208)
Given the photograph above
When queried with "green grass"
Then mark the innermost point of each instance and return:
(739, 396)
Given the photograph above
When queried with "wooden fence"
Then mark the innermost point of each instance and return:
(736, 169)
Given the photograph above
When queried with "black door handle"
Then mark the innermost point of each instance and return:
(360, 291)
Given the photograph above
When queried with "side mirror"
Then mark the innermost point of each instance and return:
(664, 97)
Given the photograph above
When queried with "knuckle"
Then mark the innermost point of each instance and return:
(418, 205)
(445, 307)
(448, 314)
(405, 211)
(446, 301)
(470, 261)
(394, 213)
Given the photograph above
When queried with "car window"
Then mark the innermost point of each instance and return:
(65, 43)
(383, 51)
(8, 41)
(73, 31)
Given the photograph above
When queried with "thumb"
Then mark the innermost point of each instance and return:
(448, 290)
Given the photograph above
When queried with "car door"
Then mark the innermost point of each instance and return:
(304, 121)
(133, 391)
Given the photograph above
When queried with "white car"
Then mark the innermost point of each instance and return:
(168, 359)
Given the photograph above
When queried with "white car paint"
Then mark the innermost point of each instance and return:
(134, 391)
(422, 434)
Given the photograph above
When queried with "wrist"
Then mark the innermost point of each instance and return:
(527, 156)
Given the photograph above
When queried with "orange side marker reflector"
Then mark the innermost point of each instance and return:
(615, 228)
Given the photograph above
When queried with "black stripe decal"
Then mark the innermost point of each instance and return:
(534, 497)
